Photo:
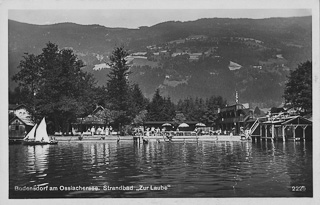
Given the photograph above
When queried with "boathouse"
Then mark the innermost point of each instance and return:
(20, 121)
(282, 127)
(19, 126)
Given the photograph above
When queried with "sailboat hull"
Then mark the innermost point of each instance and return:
(39, 143)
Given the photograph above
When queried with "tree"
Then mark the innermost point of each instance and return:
(168, 110)
(118, 89)
(61, 90)
(179, 118)
(138, 101)
(257, 111)
(298, 91)
(29, 79)
(155, 108)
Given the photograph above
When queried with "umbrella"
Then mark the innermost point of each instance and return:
(166, 125)
(200, 124)
(183, 125)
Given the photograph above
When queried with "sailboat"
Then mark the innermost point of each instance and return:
(38, 135)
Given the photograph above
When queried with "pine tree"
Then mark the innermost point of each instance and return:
(139, 102)
(155, 107)
(118, 89)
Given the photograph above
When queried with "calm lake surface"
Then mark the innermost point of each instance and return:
(203, 169)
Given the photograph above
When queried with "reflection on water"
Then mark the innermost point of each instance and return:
(203, 169)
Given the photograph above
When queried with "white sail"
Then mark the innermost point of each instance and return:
(30, 135)
(41, 132)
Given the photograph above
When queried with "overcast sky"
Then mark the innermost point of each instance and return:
(133, 18)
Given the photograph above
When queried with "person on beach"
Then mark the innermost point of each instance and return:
(148, 133)
(93, 130)
(102, 131)
(158, 131)
(99, 131)
(107, 131)
(81, 136)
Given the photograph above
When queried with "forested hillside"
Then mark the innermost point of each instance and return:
(184, 59)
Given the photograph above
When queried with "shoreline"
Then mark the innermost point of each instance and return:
(97, 138)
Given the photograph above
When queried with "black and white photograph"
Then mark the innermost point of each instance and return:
(165, 102)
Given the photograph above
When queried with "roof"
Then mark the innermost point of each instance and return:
(298, 120)
(16, 106)
(93, 118)
(25, 120)
(293, 120)
(98, 108)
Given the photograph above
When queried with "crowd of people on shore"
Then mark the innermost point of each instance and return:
(98, 131)
(107, 131)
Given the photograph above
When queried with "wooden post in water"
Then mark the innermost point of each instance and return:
(266, 132)
(272, 132)
(304, 132)
(294, 132)
(284, 133)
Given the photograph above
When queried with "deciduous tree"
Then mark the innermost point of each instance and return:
(298, 91)
(61, 90)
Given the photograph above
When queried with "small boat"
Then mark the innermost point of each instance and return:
(38, 135)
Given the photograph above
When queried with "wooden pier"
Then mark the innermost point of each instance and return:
(284, 128)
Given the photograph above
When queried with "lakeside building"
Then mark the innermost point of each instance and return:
(231, 118)
(20, 121)
(95, 119)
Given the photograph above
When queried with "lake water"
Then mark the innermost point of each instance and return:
(162, 170)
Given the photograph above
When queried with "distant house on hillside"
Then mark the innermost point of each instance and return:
(155, 56)
(177, 41)
(160, 55)
(164, 54)
(139, 54)
(194, 56)
(257, 66)
(234, 66)
(196, 37)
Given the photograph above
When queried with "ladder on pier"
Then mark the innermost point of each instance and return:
(254, 127)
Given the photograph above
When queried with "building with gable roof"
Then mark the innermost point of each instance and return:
(20, 121)
(95, 119)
